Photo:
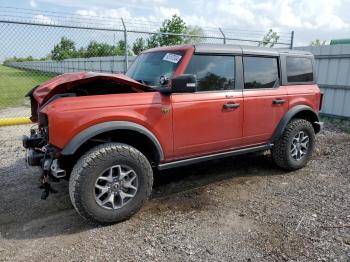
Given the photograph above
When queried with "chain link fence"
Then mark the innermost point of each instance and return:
(28, 40)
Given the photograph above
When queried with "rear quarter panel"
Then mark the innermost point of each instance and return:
(304, 95)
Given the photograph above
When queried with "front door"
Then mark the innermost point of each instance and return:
(209, 120)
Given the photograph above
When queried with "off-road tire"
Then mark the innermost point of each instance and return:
(281, 150)
(88, 168)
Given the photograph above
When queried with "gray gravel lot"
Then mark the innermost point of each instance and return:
(237, 209)
(21, 111)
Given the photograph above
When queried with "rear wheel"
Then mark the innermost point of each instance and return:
(294, 148)
(110, 183)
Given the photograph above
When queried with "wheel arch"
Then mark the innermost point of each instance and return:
(117, 131)
(299, 111)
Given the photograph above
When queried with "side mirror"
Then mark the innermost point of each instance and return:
(184, 84)
(180, 84)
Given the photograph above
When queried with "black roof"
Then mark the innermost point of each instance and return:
(245, 49)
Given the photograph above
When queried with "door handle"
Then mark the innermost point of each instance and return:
(231, 106)
(278, 101)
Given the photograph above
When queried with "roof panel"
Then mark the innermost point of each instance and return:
(243, 49)
(218, 49)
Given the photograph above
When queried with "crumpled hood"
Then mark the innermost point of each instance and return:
(63, 83)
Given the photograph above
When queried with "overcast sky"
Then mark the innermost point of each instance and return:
(310, 19)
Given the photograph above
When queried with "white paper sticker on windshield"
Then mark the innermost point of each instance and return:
(173, 58)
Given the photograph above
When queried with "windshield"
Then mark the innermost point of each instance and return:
(148, 68)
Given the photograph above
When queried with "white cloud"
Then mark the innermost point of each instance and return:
(33, 3)
(108, 13)
(42, 19)
(164, 12)
(84, 12)
(236, 10)
(149, 1)
(308, 18)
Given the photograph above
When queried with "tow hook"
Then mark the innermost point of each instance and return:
(56, 171)
(44, 179)
(51, 170)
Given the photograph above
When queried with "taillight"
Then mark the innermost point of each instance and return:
(321, 101)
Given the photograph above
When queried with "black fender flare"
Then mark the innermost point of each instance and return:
(290, 114)
(97, 129)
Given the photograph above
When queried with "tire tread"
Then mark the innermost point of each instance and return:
(105, 152)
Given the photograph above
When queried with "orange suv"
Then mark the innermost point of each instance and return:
(179, 105)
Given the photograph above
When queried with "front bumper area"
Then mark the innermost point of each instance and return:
(41, 154)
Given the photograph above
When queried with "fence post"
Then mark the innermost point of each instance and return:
(126, 63)
(291, 40)
(222, 32)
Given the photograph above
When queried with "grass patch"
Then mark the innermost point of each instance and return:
(15, 83)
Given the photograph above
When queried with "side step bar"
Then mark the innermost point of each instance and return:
(194, 160)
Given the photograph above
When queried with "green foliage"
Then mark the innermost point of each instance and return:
(139, 45)
(318, 42)
(64, 49)
(120, 48)
(97, 49)
(175, 25)
(153, 41)
(19, 59)
(172, 32)
(196, 33)
(269, 39)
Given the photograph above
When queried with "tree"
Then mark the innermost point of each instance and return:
(172, 32)
(153, 41)
(269, 39)
(175, 25)
(120, 48)
(318, 42)
(64, 49)
(19, 59)
(97, 49)
(196, 33)
(139, 45)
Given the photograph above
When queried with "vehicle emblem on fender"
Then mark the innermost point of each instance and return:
(165, 110)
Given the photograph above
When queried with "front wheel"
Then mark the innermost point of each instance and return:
(110, 183)
(295, 146)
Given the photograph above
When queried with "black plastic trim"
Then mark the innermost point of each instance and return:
(31, 91)
(199, 159)
(288, 116)
(239, 80)
(92, 131)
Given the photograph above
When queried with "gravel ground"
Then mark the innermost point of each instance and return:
(237, 209)
(21, 111)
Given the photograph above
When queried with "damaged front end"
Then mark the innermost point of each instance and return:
(40, 152)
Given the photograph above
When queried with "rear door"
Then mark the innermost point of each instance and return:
(209, 120)
(265, 101)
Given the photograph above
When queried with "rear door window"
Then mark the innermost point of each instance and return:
(214, 72)
(260, 72)
(299, 69)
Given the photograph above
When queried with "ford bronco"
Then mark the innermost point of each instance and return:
(108, 133)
